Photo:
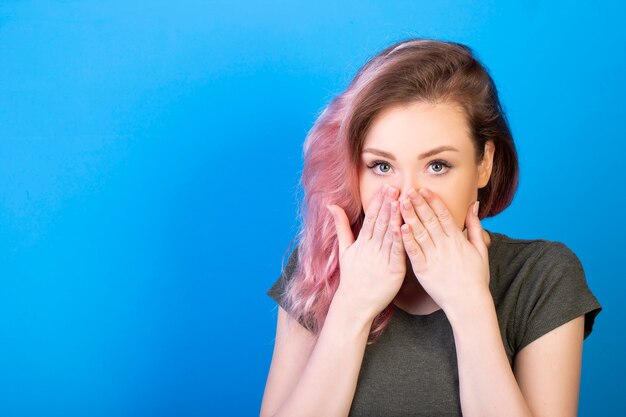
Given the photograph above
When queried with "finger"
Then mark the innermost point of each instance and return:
(372, 213)
(382, 222)
(426, 215)
(345, 238)
(420, 234)
(394, 222)
(475, 230)
(413, 250)
(441, 212)
(398, 253)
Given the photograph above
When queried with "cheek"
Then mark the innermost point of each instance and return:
(368, 187)
(367, 195)
(458, 203)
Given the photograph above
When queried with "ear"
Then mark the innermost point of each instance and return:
(486, 165)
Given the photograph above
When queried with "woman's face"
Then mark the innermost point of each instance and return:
(424, 145)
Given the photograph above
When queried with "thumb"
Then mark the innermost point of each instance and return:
(475, 230)
(342, 228)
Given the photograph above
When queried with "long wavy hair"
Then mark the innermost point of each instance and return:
(414, 70)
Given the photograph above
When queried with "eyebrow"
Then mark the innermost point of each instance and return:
(426, 154)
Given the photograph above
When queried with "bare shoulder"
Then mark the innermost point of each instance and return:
(292, 349)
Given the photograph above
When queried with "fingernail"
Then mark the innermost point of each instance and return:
(425, 192)
(476, 204)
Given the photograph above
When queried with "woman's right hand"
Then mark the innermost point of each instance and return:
(372, 267)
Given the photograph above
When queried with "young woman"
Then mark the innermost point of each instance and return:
(403, 304)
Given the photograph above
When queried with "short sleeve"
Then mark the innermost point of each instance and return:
(277, 291)
(554, 292)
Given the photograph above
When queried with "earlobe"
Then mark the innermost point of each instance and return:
(486, 165)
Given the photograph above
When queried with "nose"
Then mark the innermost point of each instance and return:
(404, 187)
(407, 186)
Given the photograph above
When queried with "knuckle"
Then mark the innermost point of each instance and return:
(420, 234)
(412, 251)
(370, 217)
(381, 227)
(383, 221)
(443, 215)
(430, 222)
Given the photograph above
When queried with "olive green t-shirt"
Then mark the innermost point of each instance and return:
(411, 370)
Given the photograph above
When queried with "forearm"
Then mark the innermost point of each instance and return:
(328, 382)
(486, 381)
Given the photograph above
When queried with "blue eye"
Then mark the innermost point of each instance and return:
(379, 163)
(436, 167)
(439, 167)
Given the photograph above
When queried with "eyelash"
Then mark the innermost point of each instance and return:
(446, 165)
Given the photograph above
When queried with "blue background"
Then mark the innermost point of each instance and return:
(150, 154)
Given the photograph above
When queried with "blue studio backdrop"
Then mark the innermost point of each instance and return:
(150, 154)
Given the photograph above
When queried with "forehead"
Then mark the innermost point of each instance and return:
(418, 127)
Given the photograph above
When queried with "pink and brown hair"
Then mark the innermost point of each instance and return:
(414, 70)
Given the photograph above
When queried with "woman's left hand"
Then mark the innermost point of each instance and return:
(452, 269)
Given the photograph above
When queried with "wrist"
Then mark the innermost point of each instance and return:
(473, 309)
(343, 305)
